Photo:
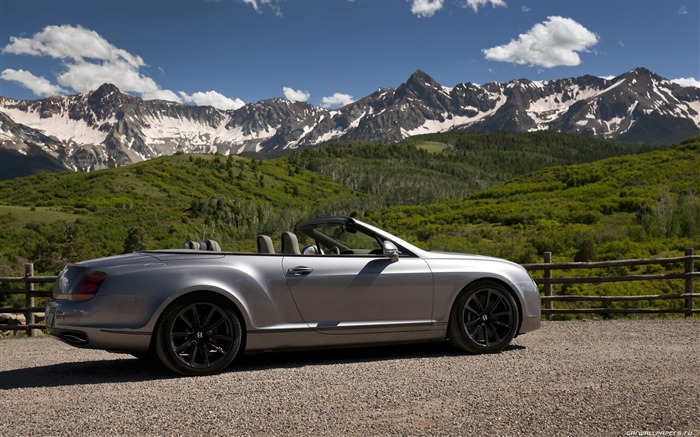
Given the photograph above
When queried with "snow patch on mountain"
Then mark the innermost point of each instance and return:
(63, 128)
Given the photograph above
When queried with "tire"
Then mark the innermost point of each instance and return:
(198, 335)
(484, 318)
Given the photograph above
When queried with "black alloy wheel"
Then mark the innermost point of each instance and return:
(198, 336)
(484, 318)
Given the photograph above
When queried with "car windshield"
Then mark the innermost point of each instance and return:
(344, 239)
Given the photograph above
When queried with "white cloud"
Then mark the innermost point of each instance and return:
(71, 42)
(40, 86)
(258, 4)
(525, 8)
(687, 81)
(296, 95)
(160, 94)
(85, 76)
(683, 11)
(88, 61)
(212, 98)
(425, 8)
(336, 100)
(475, 4)
(555, 42)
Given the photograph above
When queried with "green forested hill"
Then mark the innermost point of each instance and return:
(445, 192)
(450, 166)
(624, 207)
(55, 218)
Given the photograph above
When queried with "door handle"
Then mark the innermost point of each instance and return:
(301, 270)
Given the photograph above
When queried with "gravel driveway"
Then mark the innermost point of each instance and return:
(568, 378)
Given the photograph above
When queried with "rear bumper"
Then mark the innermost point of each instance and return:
(66, 322)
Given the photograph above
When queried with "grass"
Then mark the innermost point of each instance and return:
(433, 147)
(19, 216)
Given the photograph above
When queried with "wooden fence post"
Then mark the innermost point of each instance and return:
(689, 268)
(28, 298)
(547, 274)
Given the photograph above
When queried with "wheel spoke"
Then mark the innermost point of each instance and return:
(501, 324)
(495, 333)
(182, 317)
(212, 310)
(490, 308)
(193, 355)
(472, 322)
(485, 334)
(181, 334)
(477, 303)
(197, 323)
(184, 346)
(205, 354)
(216, 324)
(222, 337)
(217, 348)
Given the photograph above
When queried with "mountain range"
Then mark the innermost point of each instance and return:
(107, 128)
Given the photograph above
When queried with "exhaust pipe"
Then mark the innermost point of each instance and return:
(76, 339)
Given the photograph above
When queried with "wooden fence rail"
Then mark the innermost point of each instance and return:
(29, 308)
(687, 275)
(547, 267)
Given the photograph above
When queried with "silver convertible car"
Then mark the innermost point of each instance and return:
(353, 284)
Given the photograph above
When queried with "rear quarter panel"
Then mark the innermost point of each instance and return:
(254, 283)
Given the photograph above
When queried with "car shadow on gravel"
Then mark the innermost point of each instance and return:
(274, 360)
(137, 370)
(84, 372)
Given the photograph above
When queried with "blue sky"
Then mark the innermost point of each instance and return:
(330, 52)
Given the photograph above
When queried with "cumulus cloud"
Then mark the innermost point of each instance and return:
(475, 4)
(425, 8)
(687, 81)
(71, 42)
(258, 4)
(38, 85)
(87, 60)
(552, 43)
(683, 11)
(336, 100)
(212, 98)
(296, 95)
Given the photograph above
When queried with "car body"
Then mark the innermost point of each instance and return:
(354, 284)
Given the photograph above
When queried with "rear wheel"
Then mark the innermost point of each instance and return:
(199, 335)
(484, 318)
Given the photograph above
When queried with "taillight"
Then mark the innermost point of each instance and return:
(88, 286)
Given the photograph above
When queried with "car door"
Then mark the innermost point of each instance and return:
(349, 294)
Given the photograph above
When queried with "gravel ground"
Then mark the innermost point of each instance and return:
(568, 378)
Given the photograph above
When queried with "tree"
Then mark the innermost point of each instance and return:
(135, 240)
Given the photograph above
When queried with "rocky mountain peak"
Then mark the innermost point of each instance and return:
(106, 127)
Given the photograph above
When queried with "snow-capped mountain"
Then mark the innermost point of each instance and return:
(107, 128)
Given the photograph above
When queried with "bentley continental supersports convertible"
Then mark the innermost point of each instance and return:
(353, 284)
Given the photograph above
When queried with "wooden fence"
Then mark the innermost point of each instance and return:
(28, 290)
(687, 275)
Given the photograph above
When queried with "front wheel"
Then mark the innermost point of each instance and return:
(484, 318)
(198, 336)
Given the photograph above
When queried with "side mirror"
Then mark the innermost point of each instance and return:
(312, 250)
(390, 250)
